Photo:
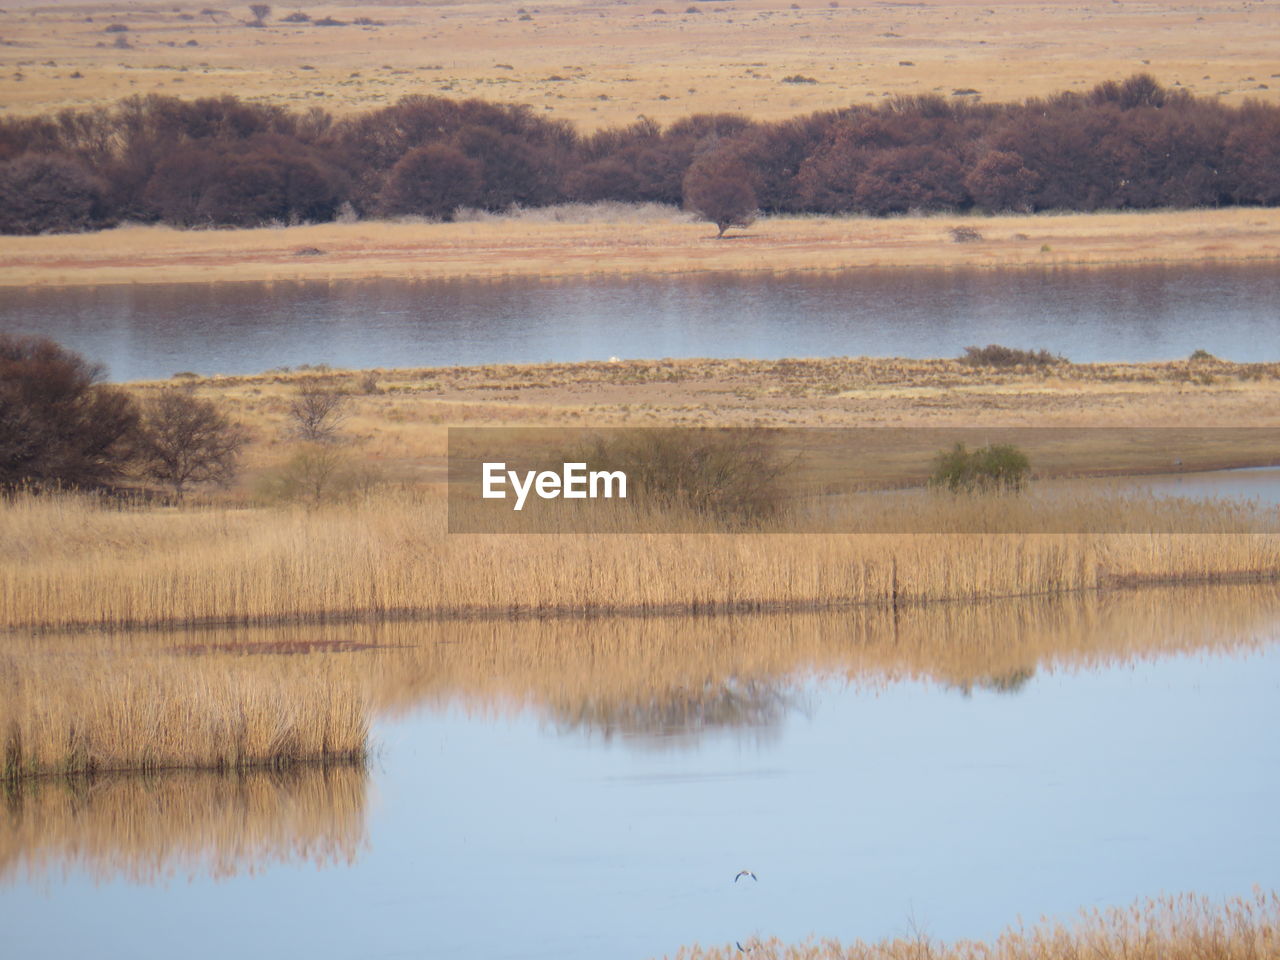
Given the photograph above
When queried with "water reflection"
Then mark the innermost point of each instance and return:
(961, 764)
(672, 679)
(147, 829)
(1124, 313)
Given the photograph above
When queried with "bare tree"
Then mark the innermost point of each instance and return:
(183, 440)
(260, 11)
(317, 411)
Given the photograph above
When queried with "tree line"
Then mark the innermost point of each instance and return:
(222, 161)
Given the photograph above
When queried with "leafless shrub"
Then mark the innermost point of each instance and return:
(183, 440)
(317, 411)
(58, 425)
(315, 474)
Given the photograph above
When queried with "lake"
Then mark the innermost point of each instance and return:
(590, 789)
(1102, 314)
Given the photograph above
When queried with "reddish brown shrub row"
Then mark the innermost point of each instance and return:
(220, 161)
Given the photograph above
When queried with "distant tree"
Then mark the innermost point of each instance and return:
(1001, 181)
(317, 411)
(432, 181)
(41, 194)
(260, 11)
(718, 188)
(58, 424)
(183, 440)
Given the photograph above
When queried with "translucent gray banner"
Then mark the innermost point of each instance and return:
(864, 480)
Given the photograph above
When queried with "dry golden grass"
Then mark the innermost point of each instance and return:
(632, 244)
(147, 829)
(1186, 927)
(68, 563)
(619, 60)
(80, 707)
(402, 429)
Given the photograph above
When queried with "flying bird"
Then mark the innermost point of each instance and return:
(745, 873)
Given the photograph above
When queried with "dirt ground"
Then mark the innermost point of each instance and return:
(605, 63)
(628, 241)
(399, 418)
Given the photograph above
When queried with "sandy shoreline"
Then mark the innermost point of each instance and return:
(626, 244)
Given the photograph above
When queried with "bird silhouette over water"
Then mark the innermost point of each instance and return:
(745, 873)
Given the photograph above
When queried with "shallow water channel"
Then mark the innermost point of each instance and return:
(1102, 314)
(590, 789)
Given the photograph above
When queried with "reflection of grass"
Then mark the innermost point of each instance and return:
(1184, 927)
(147, 828)
(646, 676)
(87, 707)
(67, 562)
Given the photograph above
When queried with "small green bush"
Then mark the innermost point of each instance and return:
(994, 355)
(732, 474)
(998, 467)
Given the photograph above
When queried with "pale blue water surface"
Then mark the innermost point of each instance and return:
(864, 812)
(1117, 314)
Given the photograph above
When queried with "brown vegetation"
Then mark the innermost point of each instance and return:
(1126, 145)
(602, 240)
(1169, 928)
(73, 708)
(71, 563)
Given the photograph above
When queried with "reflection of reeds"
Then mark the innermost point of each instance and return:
(145, 828)
(66, 562)
(91, 706)
(653, 676)
(659, 676)
(1184, 927)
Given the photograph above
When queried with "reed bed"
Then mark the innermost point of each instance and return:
(195, 824)
(69, 562)
(1187, 927)
(75, 707)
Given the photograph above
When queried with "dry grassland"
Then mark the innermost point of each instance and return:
(1184, 927)
(69, 562)
(149, 829)
(599, 64)
(616, 240)
(402, 428)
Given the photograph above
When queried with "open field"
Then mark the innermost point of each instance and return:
(1169, 928)
(602, 64)
(385, 553)
(619, 240)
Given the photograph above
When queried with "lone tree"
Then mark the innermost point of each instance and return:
(718, 187)
(260, 11)
(58, 425)
(183, 440)
(317, 411)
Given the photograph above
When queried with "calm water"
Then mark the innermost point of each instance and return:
(1145, 313)
(560, 829)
